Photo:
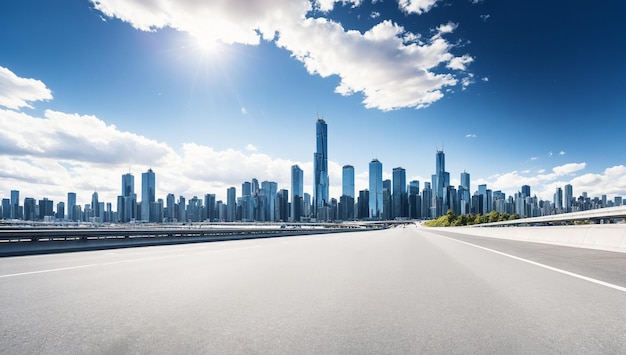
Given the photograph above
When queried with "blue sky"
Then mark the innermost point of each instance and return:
(211, 95)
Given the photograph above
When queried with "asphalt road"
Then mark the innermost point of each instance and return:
(400, 291)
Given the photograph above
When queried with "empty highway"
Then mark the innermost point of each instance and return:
(398, 291)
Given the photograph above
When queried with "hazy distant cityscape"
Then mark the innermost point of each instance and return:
(264, 202)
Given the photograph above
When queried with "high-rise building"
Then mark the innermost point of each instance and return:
(15, 204)
(127, 201)
(525, 191)
(297, 193)
(399, 196)
(558, 199)
(170, 207)
(270, 189)
(231, 204)
(95, 206)
(71, 206)
(320, 167)
(415, 203)
(347, 181)
(148, 194)
(441, 180)
(346, 201)
(375, 189)
(569, 195)
(283, 205)
(209, 205)
(6, 208)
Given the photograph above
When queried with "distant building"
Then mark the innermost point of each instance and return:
(375, 189)
(297, 193)
(148, 195)
(320, 167)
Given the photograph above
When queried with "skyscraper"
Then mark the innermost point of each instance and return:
(15, 204)
(569, 194)
(71, 206)
(231, 204)
(148, 194)
(320, 167)
(271, 189)
(297, 193)
(375, 189)
(347, 181)
(127, 201)
(441, 180)
(399, 195)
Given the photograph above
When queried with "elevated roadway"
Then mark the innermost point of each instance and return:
(403, 290)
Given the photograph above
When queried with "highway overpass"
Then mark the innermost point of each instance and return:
(402, 290)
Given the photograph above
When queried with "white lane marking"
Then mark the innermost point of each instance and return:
(121, 262)
(49, 270)
(578, 276)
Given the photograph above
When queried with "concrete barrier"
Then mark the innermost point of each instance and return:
(611, 237)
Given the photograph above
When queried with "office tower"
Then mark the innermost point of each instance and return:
(60, 211)
(46, 209)
(30, 209)
(6, 208)
(346, 200)
(247, 210)
(465, 180)
(363, 205)
(306, 203)
(95, 207)
(231, 204)
(297, 193)
(482, 199)
(558, 200)
(127, 201)
(71, 206)
(148, 194)
(427, 194)
(375, 189)
(415, 203)
(569, 195)
(320, 167)
(618, 200)
(441, 180)
(209, 205)
(283, 205)
(170, 208)
(347, 181)
(399, 197)
(15, 204)
(271, 189)
(525, 191)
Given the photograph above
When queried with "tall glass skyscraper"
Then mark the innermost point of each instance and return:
(231, 204)
(399, 195)
(297, 193)
(441, 180)
(376, 189)
(126, 207)
(71, 206)
(148, 194)
(320, 166)
(347, 181)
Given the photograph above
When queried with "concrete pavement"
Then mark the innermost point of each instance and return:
(402, 290)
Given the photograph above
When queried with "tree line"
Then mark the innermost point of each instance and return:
(450, 219)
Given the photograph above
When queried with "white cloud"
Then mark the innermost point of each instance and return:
(485, 79)
(485, 17)
(80, 138)
(471, 135)
(416, 6)
(391, 67)
(251, 148)
(561, 153)
(375, 14)
(568, 168)
(244, 111)
(390, 73)
(16, 92)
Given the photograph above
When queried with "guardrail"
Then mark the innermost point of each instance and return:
(22, 241)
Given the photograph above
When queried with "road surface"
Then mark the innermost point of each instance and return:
(397, 291)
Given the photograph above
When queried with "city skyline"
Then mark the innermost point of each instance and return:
(95, 94)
